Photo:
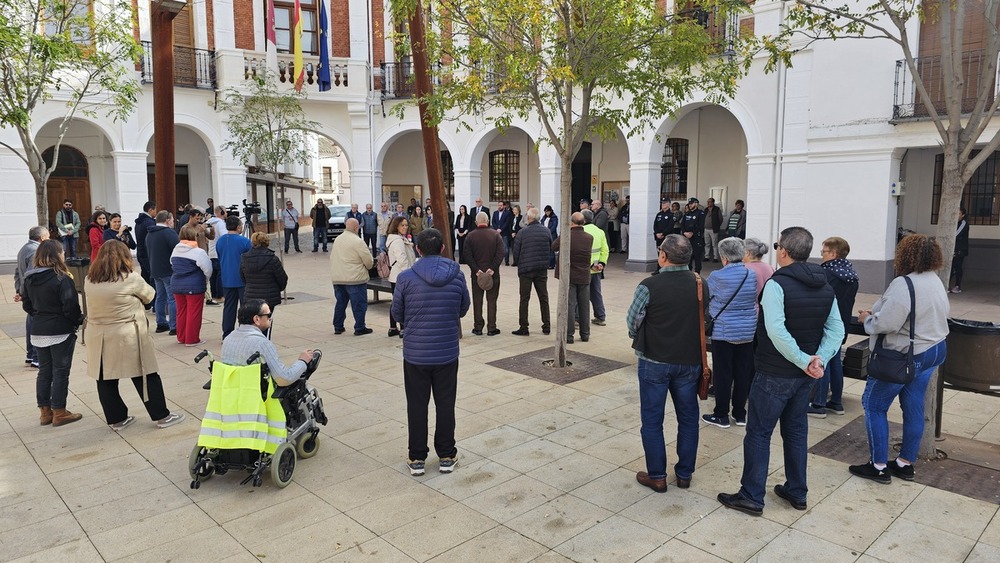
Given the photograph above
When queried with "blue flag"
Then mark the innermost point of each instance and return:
(324, 49)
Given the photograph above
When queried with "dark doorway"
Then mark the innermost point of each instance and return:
(182, 186)
(581, 176)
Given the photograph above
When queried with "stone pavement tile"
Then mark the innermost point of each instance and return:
(558, 520)
(984, 553)
(676, 551)
(625, 417)
(500, 544)
(486, 400)
(279, 519)
(557, 397)
(390, 403)
(77, 551)
(437, 532)
(31, 511)
(621, 448)
(466, 389)
(495, 441)
(211, 544)
(531, 455)
(730, 534)
(328, 468)
(950, 512)
(626, 390)
(910, 541)
(312, 543)
(108, 515)
(367, 487)
(512, 498)
(960, 425)
(363, 387)
(614, 539)
(529, 387)
(990, 432)
(865, 558)
(981, 408)
(372, 435)
(615, 491)
(551, 557)
(377, 550)
(236, 501)
(518, 409)
(401, 507)
(338, 425)
(591, 406)
(991, 534)
(673, 511)
(843, 523)
(798, 544)
(583, 434)
(545, 423)
(600, 385)
(572, 471)
(478, 373)
(161, 526)
(470, 424)
(114, 487)
(469, 479)
(865, 495)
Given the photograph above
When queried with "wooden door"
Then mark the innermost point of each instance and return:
(76, 190)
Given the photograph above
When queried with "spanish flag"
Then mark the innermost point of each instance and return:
(300, 70)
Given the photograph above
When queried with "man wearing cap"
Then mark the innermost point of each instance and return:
(663, 224)
(584, 204)
(693, 228)
(598, 260)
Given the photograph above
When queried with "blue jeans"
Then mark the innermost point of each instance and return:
(381, 242)
(165, 304)
(234, 297)
(878, 397)
(30, 352)
(357, 294)
(830, 388)
(216, 280)
(506, 249)
(319, 237)
(772, 399)
(655, 380)
(52, 381)
(596, 298)
(69, 246)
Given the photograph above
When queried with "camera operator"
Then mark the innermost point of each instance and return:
(248, 339)
(118, 231)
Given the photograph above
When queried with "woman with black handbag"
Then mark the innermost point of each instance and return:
(908, 326)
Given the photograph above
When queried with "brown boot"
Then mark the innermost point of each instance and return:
(63, 416)
(46, 417)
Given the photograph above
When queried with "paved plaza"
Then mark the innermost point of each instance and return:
(546, 471)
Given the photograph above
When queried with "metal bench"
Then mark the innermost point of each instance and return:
(376, 285)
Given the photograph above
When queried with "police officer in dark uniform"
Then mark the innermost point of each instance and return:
(693, 227)
(663, 224)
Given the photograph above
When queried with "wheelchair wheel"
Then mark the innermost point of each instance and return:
(194, 459)
(307, 446)
(283, 465)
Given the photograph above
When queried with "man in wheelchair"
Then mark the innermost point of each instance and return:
(249, 423)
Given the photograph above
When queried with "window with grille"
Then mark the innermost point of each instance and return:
(448, 175)
(327, 179)
(283, 26)
(505, 175)
(71, 163)
(674, 169)
(980, 198)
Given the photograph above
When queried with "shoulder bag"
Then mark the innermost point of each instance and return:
(706, 372)
(889, 365)
(710, 322)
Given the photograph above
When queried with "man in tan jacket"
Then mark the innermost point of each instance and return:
(350, 262)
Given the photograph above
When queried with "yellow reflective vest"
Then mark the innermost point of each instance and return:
(237, 417)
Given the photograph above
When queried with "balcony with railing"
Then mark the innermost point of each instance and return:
(348, 78)
(907, 104)
(193, 68)
(723, 30)
(395, 80)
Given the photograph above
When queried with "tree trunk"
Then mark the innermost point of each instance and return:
(42, 202)
(563, 314)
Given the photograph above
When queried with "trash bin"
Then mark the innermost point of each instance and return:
(79, 266)
(973, 360)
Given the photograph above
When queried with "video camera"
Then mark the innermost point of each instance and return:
(233, 211)
(252, 208)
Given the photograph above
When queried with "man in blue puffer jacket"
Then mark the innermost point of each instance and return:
(429, 300)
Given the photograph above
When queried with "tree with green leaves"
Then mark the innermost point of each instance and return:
(267, 126)
(956, 91)
(63, 52)
(580, 68)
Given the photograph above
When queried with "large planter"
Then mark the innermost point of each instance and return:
(973, 360)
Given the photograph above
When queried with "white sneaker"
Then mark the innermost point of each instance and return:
(170, 420)
(956, 289)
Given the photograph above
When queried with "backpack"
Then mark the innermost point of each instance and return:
(382, 265)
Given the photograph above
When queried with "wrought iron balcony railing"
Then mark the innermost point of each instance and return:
(193, 68)
(396, 80)
(907, 103)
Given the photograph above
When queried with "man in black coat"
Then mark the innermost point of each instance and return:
(531, 254)
(693, 228)
(503, 223)
(160, 242)
(142, 224)
(663, 224)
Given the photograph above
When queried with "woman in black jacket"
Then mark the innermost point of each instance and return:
(961, 251)
(49, 296)
(116, 231)
(463, 223)
(262, 272)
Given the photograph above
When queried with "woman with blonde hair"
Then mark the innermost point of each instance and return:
(263, 273)
(192, 269)
(119, 345)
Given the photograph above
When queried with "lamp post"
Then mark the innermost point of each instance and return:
(163, 13)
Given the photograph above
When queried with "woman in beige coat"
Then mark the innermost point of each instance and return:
(399, 247)
(117, 338)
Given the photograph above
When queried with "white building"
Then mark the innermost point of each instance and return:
(820, 144)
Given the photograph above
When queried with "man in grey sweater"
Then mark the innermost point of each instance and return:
(25, 258)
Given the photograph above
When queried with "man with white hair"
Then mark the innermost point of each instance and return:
(25, 259)
(531, 254)
(350, 261)
(483, 253)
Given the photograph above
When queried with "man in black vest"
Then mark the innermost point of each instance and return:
(665, 327)
(798, 332)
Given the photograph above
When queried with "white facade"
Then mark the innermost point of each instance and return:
(809, 145)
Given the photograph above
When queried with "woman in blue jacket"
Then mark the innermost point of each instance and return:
(733, 305)
(192, 269)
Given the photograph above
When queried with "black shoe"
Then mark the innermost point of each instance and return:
(363, 332)
(393, 332)
(720, 421)
(796, 504)
(584, 339)
(211, 302)
(520, 332)
(339, 330)
(905, 472)
(477, 332)
(299, 251)
(545, 331)
(173, 332)
(683, 483)
(868, 471)
(736, 502)
(493, 332)
(569, 340)
(324, 250)
(315, 250)
(162, 328)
